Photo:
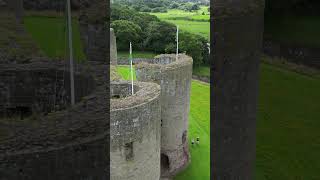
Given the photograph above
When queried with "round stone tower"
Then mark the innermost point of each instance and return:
(135, 131)
(94, 34)
(113, 48)
(238, 28)
(174, 76)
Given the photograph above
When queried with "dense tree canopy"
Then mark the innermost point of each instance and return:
(128, 31)
(147, 32)
(298, 7)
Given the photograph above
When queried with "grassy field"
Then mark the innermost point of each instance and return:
(136, 54)
(303, 31)
(199, 125)
(52, 29)
(193, 22)
(288, 138)
(202, 71)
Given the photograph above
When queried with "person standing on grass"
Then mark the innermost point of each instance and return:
(198, 140)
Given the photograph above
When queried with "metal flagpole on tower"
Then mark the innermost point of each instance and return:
(131, 68)
(177, 42)
(70, 52)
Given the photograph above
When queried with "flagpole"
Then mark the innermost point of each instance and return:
(70, 52)
(177, 42)
(131, 68)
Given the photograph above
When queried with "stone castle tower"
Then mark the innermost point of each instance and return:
(133, 130)
(238, 28)
(174, 76)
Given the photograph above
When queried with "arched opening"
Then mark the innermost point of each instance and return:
(165, 164)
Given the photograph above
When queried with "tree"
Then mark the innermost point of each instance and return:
(195, 46)
(126, 32)
(195, 7)
(174, 5)
(159, 34)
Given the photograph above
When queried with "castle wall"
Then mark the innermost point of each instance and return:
(93, 29)
(135, 132)
(174, 78)
(67, 144)
(81, 161)
(238, 27)
(40, 87)
(113, 48)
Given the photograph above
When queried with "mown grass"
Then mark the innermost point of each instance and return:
(136, 54)
(303, 31)
(202, 71)
(288, 137)
(50, 35)
(193, 22)
(199, 125)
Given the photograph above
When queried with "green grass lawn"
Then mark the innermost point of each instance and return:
(193, 22)
(50, 35)
(199, 125)
(288, 137)
(136, 54)
(303, 31)
(202, 71)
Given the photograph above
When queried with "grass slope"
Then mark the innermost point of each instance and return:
(199, 125)
(288, 138)
(49, 33)
(193, 22)
(136, 54)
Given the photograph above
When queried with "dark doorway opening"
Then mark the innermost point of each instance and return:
(165, 164)
(19, 112)
(128, 148)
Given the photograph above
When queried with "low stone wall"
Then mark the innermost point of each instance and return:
(125, 61)
(201, 78)
(296, 54)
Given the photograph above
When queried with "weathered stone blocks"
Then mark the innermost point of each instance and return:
(113, 48)
(238, 27)
(174, 76)
(135, 131)
(66, 144)
(93, 29)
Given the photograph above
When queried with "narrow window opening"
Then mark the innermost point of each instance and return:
(128, 149)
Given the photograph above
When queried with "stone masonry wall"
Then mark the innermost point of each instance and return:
(296, 54)
(238, 30)
(40, 87)
(113, 48)
(93, 29)
(135, 132)
(66, 144)
(174, 78)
